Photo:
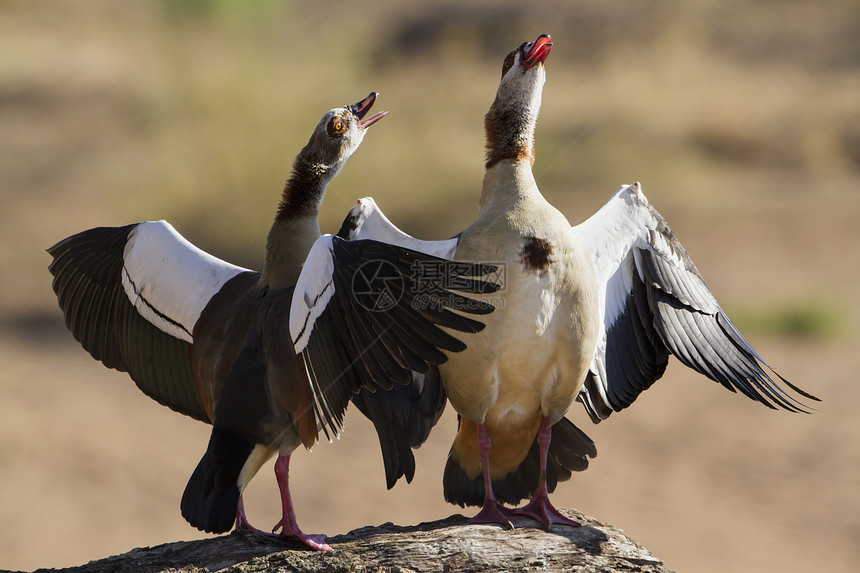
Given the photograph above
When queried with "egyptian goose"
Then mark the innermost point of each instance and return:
(590, 312)
(268, 358)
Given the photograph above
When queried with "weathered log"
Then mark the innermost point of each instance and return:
(450, 544)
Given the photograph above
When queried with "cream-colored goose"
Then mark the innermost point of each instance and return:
(268, 358)
(590, 312)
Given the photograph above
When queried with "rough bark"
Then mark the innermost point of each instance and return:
(450, 544)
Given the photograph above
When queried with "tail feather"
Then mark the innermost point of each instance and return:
(569, 451)
(571, 448)
(211, 496)
(403, 418)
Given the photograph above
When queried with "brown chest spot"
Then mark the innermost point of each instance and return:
(536, 254)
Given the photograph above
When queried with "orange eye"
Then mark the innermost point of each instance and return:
(336, 127)
(509, 62)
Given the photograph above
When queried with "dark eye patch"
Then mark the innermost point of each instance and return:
(509, 62)
(336, 126)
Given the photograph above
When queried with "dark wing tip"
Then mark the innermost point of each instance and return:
(800, 391)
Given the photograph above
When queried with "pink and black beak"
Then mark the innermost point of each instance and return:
(537, 52)
(361, 108)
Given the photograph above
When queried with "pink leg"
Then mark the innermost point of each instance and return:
(242, 519)
(288, 525)
(539, 508)
(492, 511)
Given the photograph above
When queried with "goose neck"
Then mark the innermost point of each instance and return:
(508, 182)
(287, 246)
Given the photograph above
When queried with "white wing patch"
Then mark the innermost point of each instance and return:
(168, 280)
(371, 223)
(313, 291)
(609, 236)
(616, 290)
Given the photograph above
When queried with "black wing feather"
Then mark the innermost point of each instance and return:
(388, 330)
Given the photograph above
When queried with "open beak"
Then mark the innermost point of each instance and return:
(538, 52)
(361, 108)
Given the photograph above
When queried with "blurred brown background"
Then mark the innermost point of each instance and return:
(740, 118)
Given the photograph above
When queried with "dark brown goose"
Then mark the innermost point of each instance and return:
(269, 358)
(591, 312)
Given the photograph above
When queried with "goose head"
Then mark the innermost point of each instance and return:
(335, 138)
(338, 135)
(510, 123)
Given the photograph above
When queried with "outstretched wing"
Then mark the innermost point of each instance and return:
(398, 414)
(654, 303)
(358, 319)
(367, 221)
(131, 296)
